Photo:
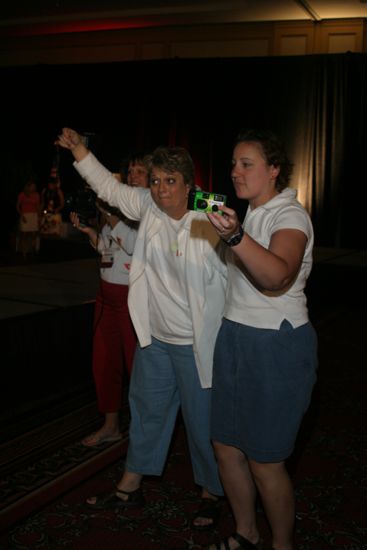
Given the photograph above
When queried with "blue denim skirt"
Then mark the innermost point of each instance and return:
(262, 386)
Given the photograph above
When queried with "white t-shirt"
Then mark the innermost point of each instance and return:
(116, 247)
(205, 271)
(246, 304)
(169, 311)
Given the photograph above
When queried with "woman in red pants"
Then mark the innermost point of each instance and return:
(114, 339)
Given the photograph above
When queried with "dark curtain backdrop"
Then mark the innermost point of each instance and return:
(316, 103)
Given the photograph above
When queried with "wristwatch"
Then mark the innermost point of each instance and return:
(236, 238)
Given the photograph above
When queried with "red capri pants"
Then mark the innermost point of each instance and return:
(114, 344)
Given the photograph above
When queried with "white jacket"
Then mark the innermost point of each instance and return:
(205, 269)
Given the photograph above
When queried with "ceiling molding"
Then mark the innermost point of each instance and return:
(41, 17)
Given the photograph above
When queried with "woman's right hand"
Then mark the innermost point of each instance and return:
(70, 139)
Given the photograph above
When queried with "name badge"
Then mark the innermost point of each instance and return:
(107, 259)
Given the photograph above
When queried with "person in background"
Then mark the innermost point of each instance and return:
(114, 339)
(52, 198)
(266, 351)
(136, 170)
(29, 209)
(176, 298)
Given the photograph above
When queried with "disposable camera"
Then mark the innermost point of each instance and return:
(203, 201)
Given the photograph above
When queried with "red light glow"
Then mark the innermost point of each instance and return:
(94, 25)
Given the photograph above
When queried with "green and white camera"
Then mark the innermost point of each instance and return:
(203, 201)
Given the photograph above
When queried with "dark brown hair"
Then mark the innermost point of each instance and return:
(273, 151)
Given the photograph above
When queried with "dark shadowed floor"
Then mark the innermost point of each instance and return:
(46, 474)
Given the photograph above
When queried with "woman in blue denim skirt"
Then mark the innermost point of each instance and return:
(266, 352)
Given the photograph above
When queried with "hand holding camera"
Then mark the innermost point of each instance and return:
(227, 225)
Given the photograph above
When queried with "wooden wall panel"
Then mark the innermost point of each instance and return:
(293, 45)
(340, 37)
(192, 41)
(224, 48)
(153, 50)
(294, 38)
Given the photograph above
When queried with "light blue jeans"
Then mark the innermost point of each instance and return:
(164, 377)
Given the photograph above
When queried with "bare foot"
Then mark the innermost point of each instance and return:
(208, 512)
(101, 436)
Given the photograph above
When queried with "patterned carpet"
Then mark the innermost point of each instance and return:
(43, 463)
(44, 494)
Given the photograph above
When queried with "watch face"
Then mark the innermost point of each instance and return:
(236, 239)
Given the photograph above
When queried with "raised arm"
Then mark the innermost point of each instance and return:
(128, 199)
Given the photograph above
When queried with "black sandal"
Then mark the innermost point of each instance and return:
(209, 508)
(112, 500)
(242, 541)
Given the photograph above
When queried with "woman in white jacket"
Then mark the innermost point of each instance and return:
(176, 298)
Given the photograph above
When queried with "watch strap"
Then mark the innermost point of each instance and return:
(236, 238)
